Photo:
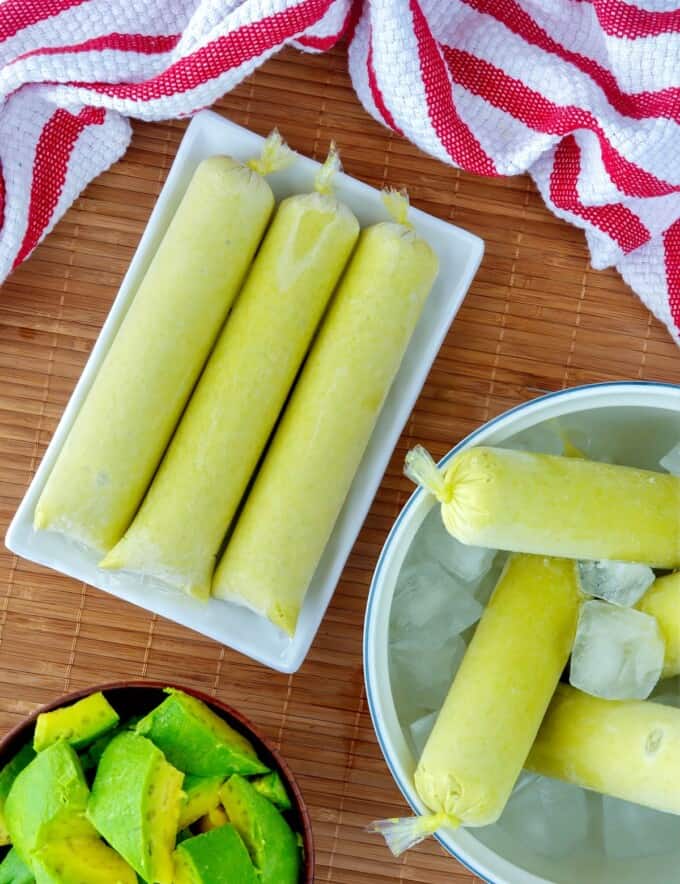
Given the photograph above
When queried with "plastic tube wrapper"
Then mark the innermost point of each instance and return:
(178, 531)
(497, 701)
(308, 470)
(626, 748)
(145, 380)
(556, 506)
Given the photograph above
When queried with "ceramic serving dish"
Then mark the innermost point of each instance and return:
(459, 253)
(629, 423)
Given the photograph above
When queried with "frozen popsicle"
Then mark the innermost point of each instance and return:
(557, 506)
(177, 533)
(498, 698)
(302, 484)
(131, 410)
(626, 748)
(662, 600)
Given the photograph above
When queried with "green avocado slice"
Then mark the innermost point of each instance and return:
(270, 840)
(271, 786)
(196, 740)
(218, 857)
(135, 805)
(13, 870)
(81, 861)
(212, 820)
(8, 774)
(202, 794)
(93, 754)
(78, 724)
(47, 801)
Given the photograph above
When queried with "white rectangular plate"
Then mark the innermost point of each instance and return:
(459, 254)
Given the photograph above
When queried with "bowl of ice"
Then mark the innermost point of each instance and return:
(429, 592)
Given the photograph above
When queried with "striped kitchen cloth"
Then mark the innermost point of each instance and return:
(582, 94)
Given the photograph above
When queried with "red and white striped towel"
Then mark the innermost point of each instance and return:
(582, 94)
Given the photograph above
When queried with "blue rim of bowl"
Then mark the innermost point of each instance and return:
(372, 593)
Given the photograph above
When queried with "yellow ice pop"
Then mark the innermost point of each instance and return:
(498, 698)
(302, 485)
(557, 506)
(626, 748)
(185, 515)
(129, 414)
(662, 600)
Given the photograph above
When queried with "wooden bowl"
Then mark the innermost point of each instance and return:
(139, 697)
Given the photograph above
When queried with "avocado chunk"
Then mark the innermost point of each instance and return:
(13, 870)
(270, 840)
(218, 857)
(93, 754)
(202, 794)
(212, 820)
(135, 805)
(183, 834)
(8, 774)
(78, 724)
(81, 861)
(196, 740)
(47, 801)
(271, 786)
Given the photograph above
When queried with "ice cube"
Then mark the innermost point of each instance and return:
(420, 730)
(671, 460)
(430, 600)
(667, 692)
(484, 589)
(630, 830)
(421, 594)
(618, 652)
(433, 542)
(525, 778)
(421, 674)
(544, 438)
(548, 816)
(621, 583)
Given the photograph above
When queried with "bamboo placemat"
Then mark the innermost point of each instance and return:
(538, 318)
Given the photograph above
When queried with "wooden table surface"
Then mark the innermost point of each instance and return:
(537, 318)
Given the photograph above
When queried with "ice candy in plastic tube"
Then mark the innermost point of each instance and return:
(662, 600)
(145, 380)
(629, 749)
(498, 698)
(316, 450)
(178, 531)
(556, 506)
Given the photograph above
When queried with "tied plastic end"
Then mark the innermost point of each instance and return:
(421, 469)
(275, 155)
(397, 204)
(402, 834)
(323, 183)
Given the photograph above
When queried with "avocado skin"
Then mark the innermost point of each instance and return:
(196, 740)
(8, 774)
(217, 857)
(270, 841)
(48, 800)
(13, 870)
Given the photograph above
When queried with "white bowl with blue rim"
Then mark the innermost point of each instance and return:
(547, 835)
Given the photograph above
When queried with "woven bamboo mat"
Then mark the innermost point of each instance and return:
(538, 318)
